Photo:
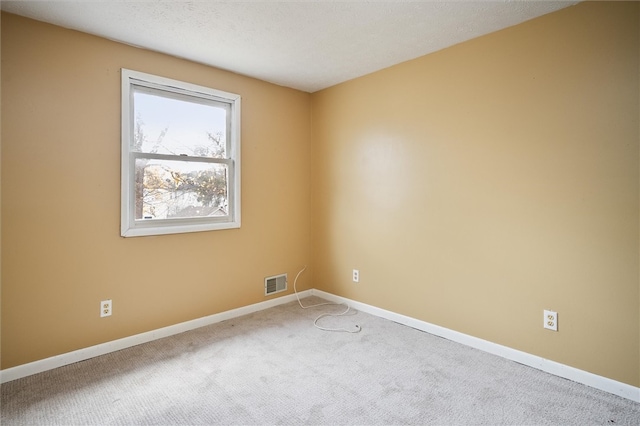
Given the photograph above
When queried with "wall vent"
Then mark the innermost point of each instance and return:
(275, 284)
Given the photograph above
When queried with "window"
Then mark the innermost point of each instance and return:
(180, 157)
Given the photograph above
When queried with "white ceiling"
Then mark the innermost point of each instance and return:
(307, 45)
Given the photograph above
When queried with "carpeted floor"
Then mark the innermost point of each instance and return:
(274, 367)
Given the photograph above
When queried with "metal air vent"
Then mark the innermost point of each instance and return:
(275, 284)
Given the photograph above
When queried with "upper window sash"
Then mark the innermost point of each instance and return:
(188, 97)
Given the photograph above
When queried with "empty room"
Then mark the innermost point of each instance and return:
(319, 212)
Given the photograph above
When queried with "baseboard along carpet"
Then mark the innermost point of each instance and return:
(275, 367)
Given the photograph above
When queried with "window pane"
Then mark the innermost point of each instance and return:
(166, 189)
(174, 126)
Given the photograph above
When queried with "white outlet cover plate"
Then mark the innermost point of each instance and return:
(550, 320)
(106, 308)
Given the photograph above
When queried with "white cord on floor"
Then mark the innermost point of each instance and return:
(315, 323)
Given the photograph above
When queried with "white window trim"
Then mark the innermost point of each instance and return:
(129, 227)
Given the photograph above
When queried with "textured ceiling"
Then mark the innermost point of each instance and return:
(307, 45)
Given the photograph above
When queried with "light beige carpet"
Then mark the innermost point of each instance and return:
(274, 367)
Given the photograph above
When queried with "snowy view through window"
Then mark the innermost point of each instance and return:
(168, 125)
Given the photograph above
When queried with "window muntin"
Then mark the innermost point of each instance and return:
(180, 157)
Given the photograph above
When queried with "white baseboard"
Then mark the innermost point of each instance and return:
(104, 348)
(580, 376)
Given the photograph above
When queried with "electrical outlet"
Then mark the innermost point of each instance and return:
(551, 320)
(106, 308)
(356, 276)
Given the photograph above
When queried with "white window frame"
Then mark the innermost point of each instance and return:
(129, 226)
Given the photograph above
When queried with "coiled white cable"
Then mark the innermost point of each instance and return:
(315, 322)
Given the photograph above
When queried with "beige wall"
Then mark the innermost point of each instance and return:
(479, 185)
(61, 247)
